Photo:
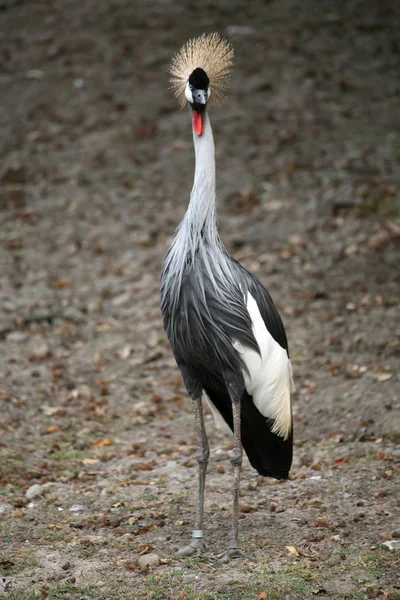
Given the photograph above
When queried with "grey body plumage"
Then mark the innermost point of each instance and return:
(206, 315)
(225, 332)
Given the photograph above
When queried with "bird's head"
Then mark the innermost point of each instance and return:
(197, 93)
(200, 70)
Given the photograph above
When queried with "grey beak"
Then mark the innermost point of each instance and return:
(199, 96)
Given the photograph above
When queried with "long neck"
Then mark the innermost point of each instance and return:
(197, 241)
(200, 219)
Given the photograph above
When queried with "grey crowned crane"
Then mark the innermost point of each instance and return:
(225, 331)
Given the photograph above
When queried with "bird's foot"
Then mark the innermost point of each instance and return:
(196, 546)
(225, 557)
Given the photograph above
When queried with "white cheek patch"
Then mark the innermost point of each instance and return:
(188, 93)
(269, 378)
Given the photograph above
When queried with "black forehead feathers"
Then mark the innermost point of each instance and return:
(199, 79)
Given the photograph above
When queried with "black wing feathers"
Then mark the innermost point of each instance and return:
(267, 308)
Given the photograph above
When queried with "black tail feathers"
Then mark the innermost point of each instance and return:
(267, 452)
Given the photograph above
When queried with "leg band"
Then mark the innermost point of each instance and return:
(197, 533)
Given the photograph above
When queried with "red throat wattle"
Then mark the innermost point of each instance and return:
(198, 124)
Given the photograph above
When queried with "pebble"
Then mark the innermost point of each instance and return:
(77, 507)
(40, 350)
(35, 74)
(396, 534)
(148, 561)
(34, 491)
(392, 545)
(4, 508)
(16, 336)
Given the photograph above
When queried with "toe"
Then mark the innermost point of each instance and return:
(195, 547)
(232, 553)
(185, 551)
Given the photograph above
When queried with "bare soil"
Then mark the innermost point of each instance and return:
(96, 170)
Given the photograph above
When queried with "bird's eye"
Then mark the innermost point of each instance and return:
(190, 86)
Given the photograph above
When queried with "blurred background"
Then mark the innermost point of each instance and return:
(96, 167)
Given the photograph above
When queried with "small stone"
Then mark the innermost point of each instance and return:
(148, 561)
(396, 534)
(66, 566)
(34, 491)
(16, 336)
(392, 545)
(77, 507)
(40, 350)
(35, 74)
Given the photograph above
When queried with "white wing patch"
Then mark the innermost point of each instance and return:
(269, 378)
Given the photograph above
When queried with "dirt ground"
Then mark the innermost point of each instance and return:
(96, 170)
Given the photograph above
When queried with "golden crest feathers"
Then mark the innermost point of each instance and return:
(211, 53)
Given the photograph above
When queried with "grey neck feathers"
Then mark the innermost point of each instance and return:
(200, 219)
(197, 242)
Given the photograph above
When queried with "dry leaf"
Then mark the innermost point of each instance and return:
(352, 249)
(125, 351)
(50, 411)
(380, 377)
(102, 442)
(292, 550)
(342, 460)
(320, 522)
(142, 530)
(246, 508)
(155, 398)
(309, 385)
(103, 326)
(143, 466)
(153, 340)
(145, 549)
(52, 428)
(60, 283)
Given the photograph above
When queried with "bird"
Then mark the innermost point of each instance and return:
(224, 329)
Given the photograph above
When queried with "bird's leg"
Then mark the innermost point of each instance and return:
(197, 544)
(235, 457)
(236, 461)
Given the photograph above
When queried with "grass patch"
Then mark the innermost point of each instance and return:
(338, 398)
(179, 498)
(33, 595)
(16, 564)
(293, 578)
(68, 455)
(373, 561)
(65, 588)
